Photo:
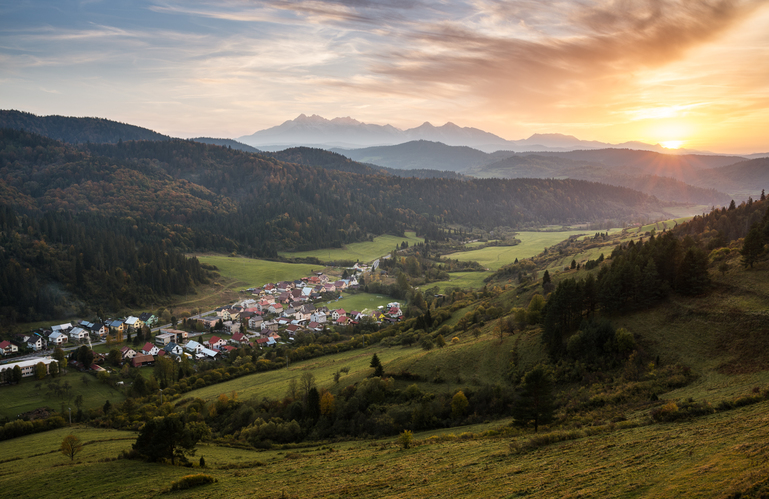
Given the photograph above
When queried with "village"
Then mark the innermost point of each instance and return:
(273, 314)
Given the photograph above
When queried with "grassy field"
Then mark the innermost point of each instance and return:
(254, 272)
(532, 243)
(365, 251)
(713, 456)
(663, 224)
(25, 397)
(360, 302)
(462, 280)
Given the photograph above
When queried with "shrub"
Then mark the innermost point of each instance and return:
(405, 439)
(189, 481)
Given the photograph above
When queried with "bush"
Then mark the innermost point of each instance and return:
(405, 439)
(189, 481)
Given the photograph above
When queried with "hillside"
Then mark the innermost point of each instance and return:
(226, 143)
(419, 154)
(76, 130)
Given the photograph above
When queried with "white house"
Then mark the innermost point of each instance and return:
(35, 342)
(193, 347)
(58, 338)
(318, 316)
(150, 349)
(173, 349)
(79, 334)
(7, 348)
(127, 353)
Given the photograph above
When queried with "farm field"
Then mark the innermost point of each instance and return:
(532, 243)
(365, 251)
(713, 456)
(663, 224)
(255, 272)
(25, 397)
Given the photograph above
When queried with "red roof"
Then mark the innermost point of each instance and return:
(238, 337)
(5, 344)
(229, 348)
(214, 339)
(147, 346)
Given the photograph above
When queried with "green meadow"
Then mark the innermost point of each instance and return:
(360, 302)
(532, 243)
(364, 251)
(255, 272)
(461, 280)
(27, 396)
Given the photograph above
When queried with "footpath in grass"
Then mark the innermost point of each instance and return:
(365, 251)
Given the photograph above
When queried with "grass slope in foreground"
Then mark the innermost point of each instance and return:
(365, 251)
(713, 456)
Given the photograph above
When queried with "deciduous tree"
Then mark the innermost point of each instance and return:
(71, 446)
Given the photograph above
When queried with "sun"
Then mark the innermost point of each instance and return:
(672, 144)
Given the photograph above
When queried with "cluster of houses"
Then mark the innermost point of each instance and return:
(285, 307)
(81, 332)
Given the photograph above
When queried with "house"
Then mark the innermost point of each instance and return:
(239, 338)
(262, 342)
(79, 334)
(127, 353)
(355, 315)
(142, 360)
(148, 319)
(329, 288)
(61, 328)
(340, 285)
(177, 335)
(292, 329)
(255, 322)
(228, 348)
(133, 323)
(336, 314)
(216, 343)
(150, 349)
(289, 312)
(116, 324)
(35, 342)
(193, 347)
(173, 349)
(302, 315)
(58, 338)
(28, 367)
(99, 329)
(209, 322)
(7, 348)
(232, 327)
(314, 326)
(270, 325)
(394, 312)
(318, 316)
(276, 308)
(164, 339)
(209, 353)
(307, 291)
(343, 320)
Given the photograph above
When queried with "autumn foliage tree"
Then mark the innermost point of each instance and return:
(71, 446)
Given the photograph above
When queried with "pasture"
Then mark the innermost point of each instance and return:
(532, 243)
(461, 280)
(722, 455)
(255, 272)
(360, 302)
(27, 395)
(365, 252)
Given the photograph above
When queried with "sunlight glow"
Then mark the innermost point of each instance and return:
(672, 144)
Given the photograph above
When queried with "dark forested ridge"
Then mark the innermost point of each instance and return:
(234, 144)
(158, 197)
(76, 130)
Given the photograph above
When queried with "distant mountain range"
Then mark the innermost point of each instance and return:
(349, 133)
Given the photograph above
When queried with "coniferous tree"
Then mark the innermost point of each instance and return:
(535, 403)
(753, 246)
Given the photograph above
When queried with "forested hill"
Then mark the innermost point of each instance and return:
(76, 130)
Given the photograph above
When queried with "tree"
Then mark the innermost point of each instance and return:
(307, 382)
(327, 404)
(114, 357)
(53, 369)
(40, 370)
(169, 437)
(70, 446)
(753, 246)
(17, 375)
(535, 398)
(459, 405)
(107, 407)
(377, 365)
(85, 356)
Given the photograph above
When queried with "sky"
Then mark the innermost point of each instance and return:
(693, 73)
